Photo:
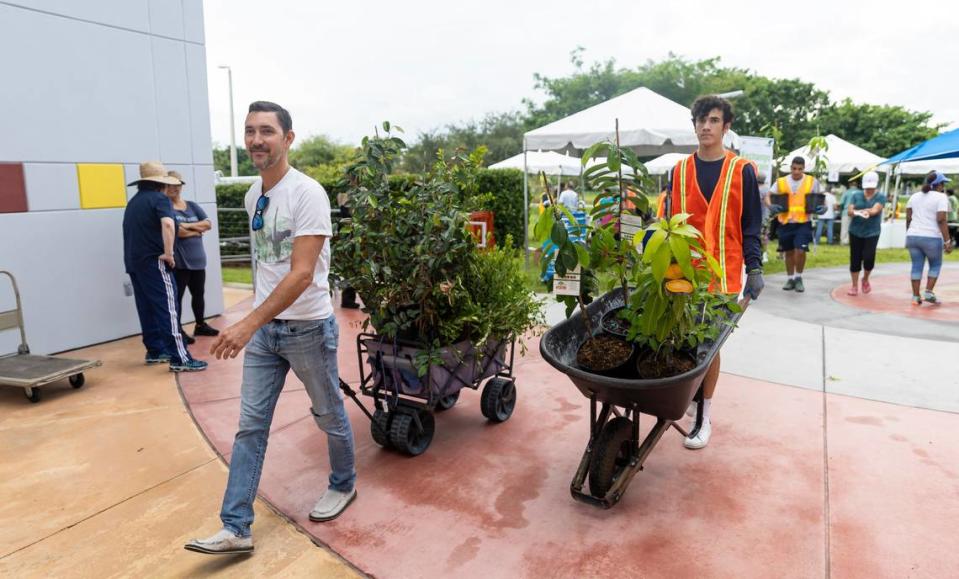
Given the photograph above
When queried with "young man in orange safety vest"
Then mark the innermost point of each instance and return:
(721, 193)
(795, 226)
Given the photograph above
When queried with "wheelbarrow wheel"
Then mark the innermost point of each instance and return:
(406, 437)
(611, 454)
(77, 380)
(380, 428)
(32, 394)
(498, 399)
(447, 402)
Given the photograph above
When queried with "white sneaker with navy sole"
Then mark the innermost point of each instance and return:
(702, 437)
(223, 543)
(331, 505)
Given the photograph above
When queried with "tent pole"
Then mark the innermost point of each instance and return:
(525, 207)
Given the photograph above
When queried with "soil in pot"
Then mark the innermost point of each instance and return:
(614, 325)
(604, 354)
(651, 367)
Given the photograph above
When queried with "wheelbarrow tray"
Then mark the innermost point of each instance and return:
(30, 371)
(666, 398)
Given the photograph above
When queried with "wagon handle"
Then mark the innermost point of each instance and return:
(23, 348)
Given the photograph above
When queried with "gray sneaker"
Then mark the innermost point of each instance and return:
(331, 504)
(222, 543)
(799, 287)
(790, 285)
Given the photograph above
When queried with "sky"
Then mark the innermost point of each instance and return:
(343, 67)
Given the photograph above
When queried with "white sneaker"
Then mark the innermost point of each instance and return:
(702, 437)
(223, 543)
(331, 504)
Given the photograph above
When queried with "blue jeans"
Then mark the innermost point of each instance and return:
(827, 223)
(309, 348)
(922, 249)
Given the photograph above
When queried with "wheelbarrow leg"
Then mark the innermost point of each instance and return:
(700, 409)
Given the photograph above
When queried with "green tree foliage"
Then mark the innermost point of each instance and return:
(221, 162)
(883, 129)
(501, 134)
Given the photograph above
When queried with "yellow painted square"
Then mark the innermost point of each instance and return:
(101, 185)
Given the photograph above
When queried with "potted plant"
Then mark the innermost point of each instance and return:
(411, 258)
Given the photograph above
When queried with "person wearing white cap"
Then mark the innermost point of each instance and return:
(927, 234)
(865, 212)
(149, 229)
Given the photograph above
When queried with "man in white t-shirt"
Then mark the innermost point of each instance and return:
(291, 327)
(826, 219)
(569, 198)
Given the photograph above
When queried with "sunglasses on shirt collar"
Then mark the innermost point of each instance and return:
(261, 204)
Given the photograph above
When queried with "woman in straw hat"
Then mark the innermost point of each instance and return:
(190, 270)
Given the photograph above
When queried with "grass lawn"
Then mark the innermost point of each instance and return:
(237, 274)
(838, 256)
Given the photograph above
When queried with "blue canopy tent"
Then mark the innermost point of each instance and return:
(942, 146)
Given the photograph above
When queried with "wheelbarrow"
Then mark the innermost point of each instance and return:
(615, 453)
(21, 369)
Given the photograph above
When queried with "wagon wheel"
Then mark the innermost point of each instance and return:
(498, 399)
(611, 454)
(380, 428)
(447, 402)
(77, 380)
(406, 437)
(32, 394)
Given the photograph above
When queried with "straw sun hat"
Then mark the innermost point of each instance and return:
(156, 172)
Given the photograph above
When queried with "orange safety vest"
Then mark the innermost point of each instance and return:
(661, 206)
(796, 212)
(719, 220)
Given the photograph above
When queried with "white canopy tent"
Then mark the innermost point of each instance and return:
(842, 156)
(663, 164)
(922, 168)
(649, 123)
(549, 162)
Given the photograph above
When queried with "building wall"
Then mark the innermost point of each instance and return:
(90, 90)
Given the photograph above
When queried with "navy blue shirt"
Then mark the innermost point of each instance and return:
(142, 234)
(707, 175)
(188, 251)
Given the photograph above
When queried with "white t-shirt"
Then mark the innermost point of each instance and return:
(830, 204)
(570, 199)
(924, 207)
(298, 206)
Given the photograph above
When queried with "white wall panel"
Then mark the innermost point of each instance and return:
(166, 18)
(199, 104)
(204, 180)
(88, 85)
(173, 103)
(132, 173)
(131, 14)
(193, 21)
(51, 186)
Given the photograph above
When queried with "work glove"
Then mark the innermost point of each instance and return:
(820, 209)
(754, 284)
(774, 209)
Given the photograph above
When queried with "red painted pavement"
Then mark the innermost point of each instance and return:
(493, 500)
(892, 294)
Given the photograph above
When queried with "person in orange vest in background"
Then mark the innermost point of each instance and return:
(795, 231)
(661, 202)
(720, 192)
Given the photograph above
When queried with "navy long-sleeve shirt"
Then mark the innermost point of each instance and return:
(707, 175)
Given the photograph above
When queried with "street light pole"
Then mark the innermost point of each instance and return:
(229, 76)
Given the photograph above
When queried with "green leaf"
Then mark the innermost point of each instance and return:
(386, 126)
(661, 260)
(680, 250)
(543, 226)
(652, 248)
(558, 234)
(583, 254)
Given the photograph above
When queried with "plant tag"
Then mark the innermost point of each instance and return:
(567, 285)
(630, 226)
